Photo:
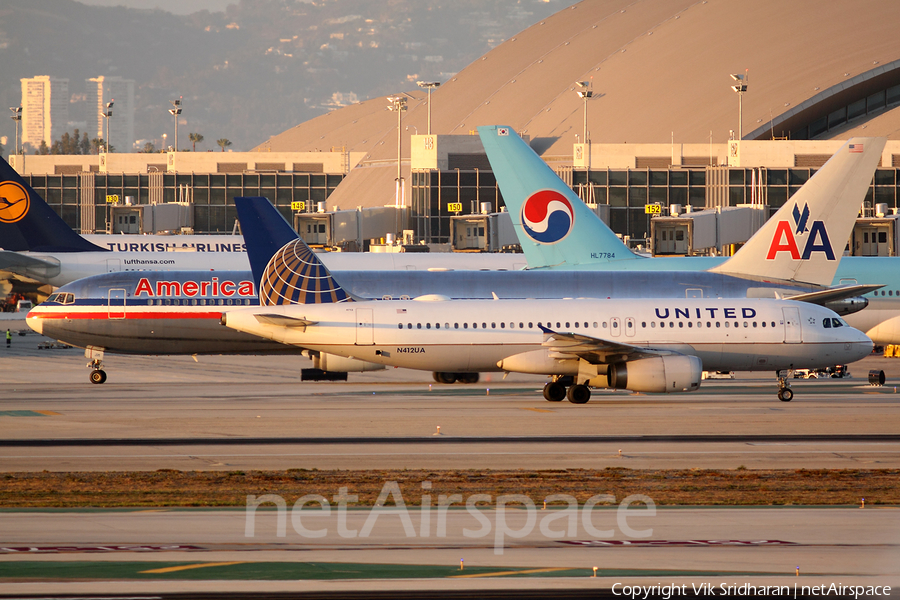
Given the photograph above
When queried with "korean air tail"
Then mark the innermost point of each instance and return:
(544, 210)
(805, 239)
(27, 223)
(286, 269)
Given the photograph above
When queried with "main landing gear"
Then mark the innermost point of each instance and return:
(785, 394)
(576, 393)
(455, 377)
(97, 375)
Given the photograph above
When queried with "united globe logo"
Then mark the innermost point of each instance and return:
(547, 217)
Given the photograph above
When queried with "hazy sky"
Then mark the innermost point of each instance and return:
(178, 7)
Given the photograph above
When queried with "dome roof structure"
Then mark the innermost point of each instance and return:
(659, 71)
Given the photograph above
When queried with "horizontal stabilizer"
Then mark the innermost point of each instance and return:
(283, 320)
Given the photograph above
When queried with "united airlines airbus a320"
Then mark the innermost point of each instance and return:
(647, 345)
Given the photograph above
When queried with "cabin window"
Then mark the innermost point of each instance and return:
(595, 324)
(558, 325)
(763, 323)
(567, 325)
(521, 325)
(576, 324)
(681, 323)
(399, 325)
(446, 325)
(746, 325)
(502, 325)
(456, 326)
(493, 326)
(427, 325)
(726, 323)
(465, 325)
(718, 324)
(474, 325)
(690, 324)
(418, 326)
(773, 323)
(653, 324)
(437, 325)
(530, 325)
(604, 324)
(754, 323)
(484, 325)
(643, 324)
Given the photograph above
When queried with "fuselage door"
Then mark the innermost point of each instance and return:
(116, 304)
(629, 327)
(693, 293)
(365, 331)
(615, 327)
(792, 332)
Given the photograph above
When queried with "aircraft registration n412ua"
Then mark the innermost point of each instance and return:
(645, 345)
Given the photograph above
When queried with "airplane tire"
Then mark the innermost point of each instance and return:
(447, 378)
(467, 377)
(437, 377)
(579, 394)
(554, 391)
(786, 395)
(98, 376)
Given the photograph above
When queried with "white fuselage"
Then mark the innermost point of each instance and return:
(475, 335)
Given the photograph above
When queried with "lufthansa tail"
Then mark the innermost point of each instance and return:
(805, 239)
(287, 270)
(28, 224)
(544, 209)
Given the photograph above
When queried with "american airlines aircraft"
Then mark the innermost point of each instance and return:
(648, 345)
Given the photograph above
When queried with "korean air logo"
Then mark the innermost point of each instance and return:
(14, 202)
(788, 237)
(547, 217)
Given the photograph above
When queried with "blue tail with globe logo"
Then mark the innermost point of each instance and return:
(544, 209)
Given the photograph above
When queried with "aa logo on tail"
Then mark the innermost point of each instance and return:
(14, 202)
(547, 216)
(787, 236)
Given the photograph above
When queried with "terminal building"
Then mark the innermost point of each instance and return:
(693, 106)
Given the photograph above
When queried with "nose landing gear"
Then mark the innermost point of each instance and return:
(785, 394)
(97, 375)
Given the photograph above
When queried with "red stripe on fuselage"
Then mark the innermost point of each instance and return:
(128, 315)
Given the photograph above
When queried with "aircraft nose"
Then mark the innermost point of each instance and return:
(35, 322)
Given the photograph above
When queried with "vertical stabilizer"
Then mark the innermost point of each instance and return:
(287, 270)
(28, 224)
(265, 231)
(805, 239)
(553, 225)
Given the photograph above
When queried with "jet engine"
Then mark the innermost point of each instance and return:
(848, 306)
(659, 374)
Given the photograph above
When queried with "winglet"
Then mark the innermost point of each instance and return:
(553, 225)
(27, 223)
(805, 239)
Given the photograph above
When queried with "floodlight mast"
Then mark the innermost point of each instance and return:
(16, 116)
(740, 87)
(175, 111)
(107, 114)
(398, 105)
(428, 85)
(584, 93)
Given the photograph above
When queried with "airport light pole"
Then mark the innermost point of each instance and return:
(16, 116)
(428, 85)
(584, 93)
(175, 111)
(398, 105)
(107, 114)
(740, 87)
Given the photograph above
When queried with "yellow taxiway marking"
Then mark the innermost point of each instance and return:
(537, 409)
(197, 566)
(501, 573)
(49, 413)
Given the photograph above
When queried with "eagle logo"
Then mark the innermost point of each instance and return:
(800, 218)
(14, 202)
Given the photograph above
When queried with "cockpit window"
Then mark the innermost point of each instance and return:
(829, 322)
(62, 298)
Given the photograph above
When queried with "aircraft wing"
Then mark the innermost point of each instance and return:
(29, 266)
(594, 350)
(836, 293)
(284, 321)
